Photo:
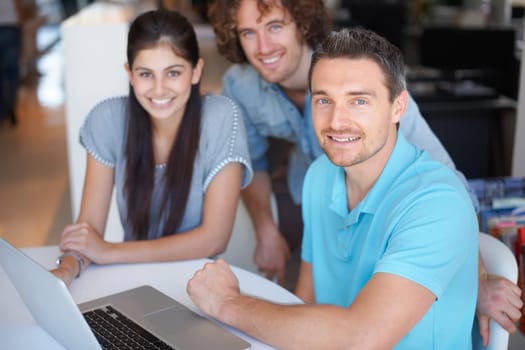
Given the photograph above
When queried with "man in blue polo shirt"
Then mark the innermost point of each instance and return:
(271, 42)
(390, 247)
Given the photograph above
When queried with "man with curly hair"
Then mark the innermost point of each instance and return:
(270, 43)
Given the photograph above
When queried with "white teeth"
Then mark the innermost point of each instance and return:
(346, 139)
(270, 60)
(161, 102)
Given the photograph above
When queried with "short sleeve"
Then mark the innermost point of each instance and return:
(239, 84)
(223, 138)
(430, 245)
(103, 130)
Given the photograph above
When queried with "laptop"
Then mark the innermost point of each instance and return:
(157, 318)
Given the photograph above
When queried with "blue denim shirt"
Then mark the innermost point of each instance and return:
(269, 112)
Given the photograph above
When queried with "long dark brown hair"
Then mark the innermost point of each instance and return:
(147, 31)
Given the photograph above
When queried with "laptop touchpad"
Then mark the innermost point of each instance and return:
(189, 330)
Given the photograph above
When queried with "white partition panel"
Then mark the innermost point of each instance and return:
(94, 44)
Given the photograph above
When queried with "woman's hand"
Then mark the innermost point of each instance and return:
(85, 240)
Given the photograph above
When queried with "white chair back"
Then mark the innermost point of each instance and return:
(498, 260)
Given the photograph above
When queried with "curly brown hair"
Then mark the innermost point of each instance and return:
(310, 16)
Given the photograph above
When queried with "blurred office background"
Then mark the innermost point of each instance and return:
(463, 67)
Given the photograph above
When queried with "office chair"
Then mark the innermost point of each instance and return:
(498, 260)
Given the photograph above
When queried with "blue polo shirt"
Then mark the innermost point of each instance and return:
(417, 222)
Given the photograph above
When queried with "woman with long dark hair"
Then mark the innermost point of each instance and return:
(177, 162)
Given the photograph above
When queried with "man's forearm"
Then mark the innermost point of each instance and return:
(287, 327)
(256, 197)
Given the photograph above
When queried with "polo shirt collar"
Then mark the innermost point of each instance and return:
(402, 156)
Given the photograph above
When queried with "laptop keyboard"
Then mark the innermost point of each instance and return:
(113, 330)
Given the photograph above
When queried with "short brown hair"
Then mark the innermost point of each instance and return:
(360, 43)
(310, 16)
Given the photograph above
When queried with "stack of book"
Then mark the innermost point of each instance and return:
(502, 214)
(502, 207)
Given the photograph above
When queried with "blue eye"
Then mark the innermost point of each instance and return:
(145, 74)
(247, 34)
(275, 28)
(360, 101)
(173, 73)
(323, 101)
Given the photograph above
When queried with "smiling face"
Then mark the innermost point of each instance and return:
(162, 81)
(272, 43)
(353, 116)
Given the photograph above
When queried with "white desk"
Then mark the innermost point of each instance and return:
(19, 331)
